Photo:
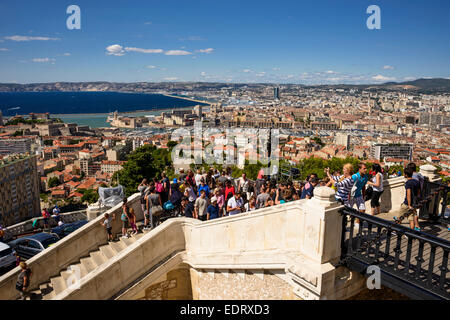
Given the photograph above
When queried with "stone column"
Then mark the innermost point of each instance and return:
(323, 225)
(427, 170)
(313, 273)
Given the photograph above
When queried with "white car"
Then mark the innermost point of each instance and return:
(7, 257)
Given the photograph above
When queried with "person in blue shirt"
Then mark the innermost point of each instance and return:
(407, 208)
(360, 179)
(203, 186)
(308, 190)
(213, 210)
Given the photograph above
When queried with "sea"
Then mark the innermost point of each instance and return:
(88, 108)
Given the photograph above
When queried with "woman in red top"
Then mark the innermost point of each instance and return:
(229, 188)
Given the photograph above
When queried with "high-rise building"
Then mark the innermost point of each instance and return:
(380, 151)
(19, 189)
(276, 93)
(198, 110)
(343, 140)
(10, 146)
(1, 118)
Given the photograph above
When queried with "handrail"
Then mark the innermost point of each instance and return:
(411, 274)
(396, 227)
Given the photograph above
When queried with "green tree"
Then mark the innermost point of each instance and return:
(48, 142)
(53, 182)
(89, 196)
(18, 133)
(318, 141)
(145, 162)
(171, 144)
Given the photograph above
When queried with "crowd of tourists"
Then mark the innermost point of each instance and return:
(211, 194)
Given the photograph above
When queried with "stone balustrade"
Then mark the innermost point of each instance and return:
(27, 226)
(67, 251)
(299, 240)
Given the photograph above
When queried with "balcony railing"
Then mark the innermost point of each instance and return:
(411, 262)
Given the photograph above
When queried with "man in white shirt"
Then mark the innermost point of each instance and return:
(235, 204)
(243, 185)
(198, 177)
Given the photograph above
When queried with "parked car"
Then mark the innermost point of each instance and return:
(7, 257)
(29, 246)
(67, 228)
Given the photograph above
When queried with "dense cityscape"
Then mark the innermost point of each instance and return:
(390, 127)
(234, 153)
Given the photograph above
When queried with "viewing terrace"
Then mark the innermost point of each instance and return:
(305, 249)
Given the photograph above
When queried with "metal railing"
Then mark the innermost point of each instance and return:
(433, 205)
(411, 262)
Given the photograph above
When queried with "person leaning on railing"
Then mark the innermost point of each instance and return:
(407, 209)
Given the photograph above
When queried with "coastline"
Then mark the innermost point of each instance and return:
(126, 112)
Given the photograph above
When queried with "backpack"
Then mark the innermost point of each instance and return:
(159, 187)
(168, 205)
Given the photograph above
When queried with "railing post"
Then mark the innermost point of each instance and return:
(323, 226)
(427, 170)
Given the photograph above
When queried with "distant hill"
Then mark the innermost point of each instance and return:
(436, 85)
(424, 84)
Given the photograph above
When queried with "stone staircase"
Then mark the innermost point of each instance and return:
(86, 265)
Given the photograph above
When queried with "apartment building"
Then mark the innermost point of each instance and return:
(19, 189)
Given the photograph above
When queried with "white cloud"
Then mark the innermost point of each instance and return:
(44, 60)
(382, 78)
(151, 67)
(409, 78)
(203, 74)
(247, 71)
(330, 72)
(209, 50)
(4, 49)
(28, 38)
(261, 74)
(276, 69)
(143, 50)
(335, 79)
(388, 67)
(177, 53)
(171, 78)
(66, 54)
(147, 23)
(115, 50)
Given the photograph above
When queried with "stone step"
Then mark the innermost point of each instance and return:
(72, 275)
(49, 296)
(127, 241)
(108, 251)
(117, 246)
(58, 284)
(137, 236)
(82, 269)
(88, 263)
(98, 258)
(45, 287)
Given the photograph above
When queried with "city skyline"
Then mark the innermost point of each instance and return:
(290, 42)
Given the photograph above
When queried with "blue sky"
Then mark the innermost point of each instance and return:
(310, 42)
